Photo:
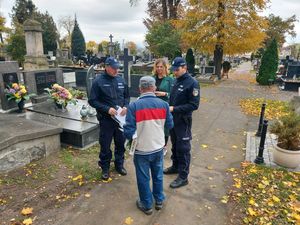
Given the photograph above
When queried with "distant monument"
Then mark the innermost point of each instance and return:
(34, 58)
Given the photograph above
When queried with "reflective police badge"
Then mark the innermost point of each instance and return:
(196, 92)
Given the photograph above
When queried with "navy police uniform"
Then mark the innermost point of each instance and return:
(106, 92)
(185, 98)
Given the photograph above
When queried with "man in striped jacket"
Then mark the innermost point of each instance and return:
(148, 116)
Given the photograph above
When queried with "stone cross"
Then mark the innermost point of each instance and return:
(127, 59)
(111, 45)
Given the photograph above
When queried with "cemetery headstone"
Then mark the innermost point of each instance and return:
(37, 81)
(89, 79)
(9, 73)
(34, 58)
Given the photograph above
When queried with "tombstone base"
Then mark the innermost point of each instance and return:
(76, 132)
(23, 141)
(32, 63)
(39, 98)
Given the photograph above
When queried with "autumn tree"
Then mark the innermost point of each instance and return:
(163, 40)
(223, 27)
(103, 47)
(91, 46)
(269, 64)
(77, 41)
(132, 47)
(3, 29)
(278, 28)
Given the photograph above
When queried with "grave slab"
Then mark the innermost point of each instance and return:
(76, 132)
(23, 141)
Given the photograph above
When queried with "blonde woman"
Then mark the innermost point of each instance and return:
(164, 84)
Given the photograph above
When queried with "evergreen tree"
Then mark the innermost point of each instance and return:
(50, 34)
(269, 64)
(22, 10)
(16, 45)
(77, 42)
(190, 61)
(163, 40)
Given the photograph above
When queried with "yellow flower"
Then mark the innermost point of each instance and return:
(23, 91)
(17, 95)
(55, 86)
(15, 86)
(22, 87)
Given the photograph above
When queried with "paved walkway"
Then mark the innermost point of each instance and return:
(219, 130)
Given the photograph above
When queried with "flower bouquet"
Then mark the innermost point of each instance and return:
(18, 93)
(60, 95)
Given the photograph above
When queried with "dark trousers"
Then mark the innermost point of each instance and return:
(181, 146)
(109, 129)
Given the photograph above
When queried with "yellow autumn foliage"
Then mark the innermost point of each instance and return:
(274, 108)
(235, 25)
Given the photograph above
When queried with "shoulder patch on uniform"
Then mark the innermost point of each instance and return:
(195, 92)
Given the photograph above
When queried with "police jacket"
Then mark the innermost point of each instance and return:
(185, 96)
(108, 91)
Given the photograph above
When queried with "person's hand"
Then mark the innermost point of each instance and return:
(160, 93)
(171, 108)
(124, 111)
(112, 111)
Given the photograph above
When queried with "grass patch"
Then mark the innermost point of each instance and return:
(274, 108)
(83, 162)
(265, 195)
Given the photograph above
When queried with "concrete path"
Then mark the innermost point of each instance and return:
(219, 125)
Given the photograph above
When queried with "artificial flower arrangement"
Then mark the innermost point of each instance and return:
(17, 92)
(60, 95)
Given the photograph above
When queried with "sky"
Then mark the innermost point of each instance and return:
(100, 18)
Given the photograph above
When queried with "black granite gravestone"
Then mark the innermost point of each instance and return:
(44, 80)
(37, 81)
(9, 73)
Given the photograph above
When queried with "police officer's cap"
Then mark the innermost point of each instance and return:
(146, 82)
(111, 61)
(177, 62)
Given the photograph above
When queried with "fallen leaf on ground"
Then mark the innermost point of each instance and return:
(87, 195)
(128, 220)
(27, 221)
(26, 211)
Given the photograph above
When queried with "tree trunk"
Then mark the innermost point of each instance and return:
(218, 56)
(218, 52)
(164, 9)
(171, 9)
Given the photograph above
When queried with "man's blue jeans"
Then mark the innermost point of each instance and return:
(143, 165)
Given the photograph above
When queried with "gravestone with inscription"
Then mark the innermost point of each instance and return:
(9, 73)
(36, 81)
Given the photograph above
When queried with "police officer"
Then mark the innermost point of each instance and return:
(109, 92)
(184, 99)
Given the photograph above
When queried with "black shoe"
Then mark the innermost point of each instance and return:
(121, 170)
(142, 208)
(170, 170)
(158, 205)
(179, 182)
(105, 175)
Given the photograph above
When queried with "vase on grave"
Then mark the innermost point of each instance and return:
(61, 107)
(21, 105)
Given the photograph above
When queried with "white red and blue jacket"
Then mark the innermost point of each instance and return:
(148, 116)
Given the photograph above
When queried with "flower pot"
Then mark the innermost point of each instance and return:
(60, 107)
(286, 158)
(21, 105)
